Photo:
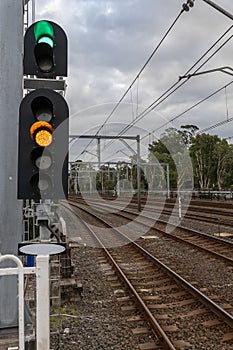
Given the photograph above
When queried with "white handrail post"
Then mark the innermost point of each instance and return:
(20, 295)
(42, 297)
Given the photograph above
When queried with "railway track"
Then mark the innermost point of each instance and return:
(168, 301)
(218, 247)
(219, 214)
(209, 212)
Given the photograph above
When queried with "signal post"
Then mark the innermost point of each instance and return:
(11, 75)
(43, 143)
(43, 133)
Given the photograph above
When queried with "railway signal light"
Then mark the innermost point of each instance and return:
(43, 146)
(45, 50)
(44, 116)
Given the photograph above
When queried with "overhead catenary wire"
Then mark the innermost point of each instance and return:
(174, 86)
(167, 93)
(141, 70)
(191, 107)
(137, 76)
(150, 134)
(222, 122)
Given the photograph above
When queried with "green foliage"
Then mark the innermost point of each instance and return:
(106, 178)
(212, 158)
(202, 152)
(188, 133)
(169, 149)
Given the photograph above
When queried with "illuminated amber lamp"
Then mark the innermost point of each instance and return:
(42, 133)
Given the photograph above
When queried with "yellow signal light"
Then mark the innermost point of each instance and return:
(42, 133)
(43, 138)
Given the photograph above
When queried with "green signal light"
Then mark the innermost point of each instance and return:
(46, 40)
(44, 33)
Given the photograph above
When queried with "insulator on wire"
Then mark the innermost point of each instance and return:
(185, 7)
(190, 3)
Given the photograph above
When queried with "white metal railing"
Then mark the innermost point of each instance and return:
(42, 286)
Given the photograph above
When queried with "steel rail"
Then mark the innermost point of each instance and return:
(167, 345)
(192, 231)
(167, 211)
(216, 309)
(183, 240)
(203, 234)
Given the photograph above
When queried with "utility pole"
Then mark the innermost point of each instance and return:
(11, 74)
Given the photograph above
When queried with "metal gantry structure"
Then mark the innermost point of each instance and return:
(113, 137)
(120, 178)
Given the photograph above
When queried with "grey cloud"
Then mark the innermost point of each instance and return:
(109, 41)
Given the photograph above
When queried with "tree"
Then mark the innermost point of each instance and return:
(224, 158)
(106, 178)
(188, 133)
(143, 179)
(212, 158)
(203, 154)
(171, 148)
(228, 177)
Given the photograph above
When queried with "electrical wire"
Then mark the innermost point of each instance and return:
(169, 91)
(192, 107)
(137, 76)
(222, 122)
(173, 88)
(141, 70)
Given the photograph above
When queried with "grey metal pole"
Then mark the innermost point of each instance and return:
(11, 228)
(33, 11)
(118, 182)
(138, 172)
(98, 152)
(168, 181)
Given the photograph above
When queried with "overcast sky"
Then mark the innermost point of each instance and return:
(110, 41)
